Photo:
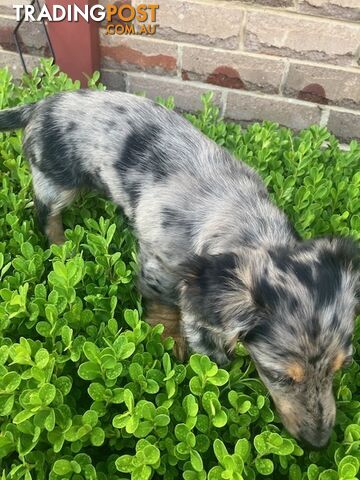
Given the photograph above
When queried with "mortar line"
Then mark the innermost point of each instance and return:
(179, 62)
(224, 97)
(241, 46)
(324, 118)
(284, 77)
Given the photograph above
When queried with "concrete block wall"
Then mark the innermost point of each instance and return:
(296, 62)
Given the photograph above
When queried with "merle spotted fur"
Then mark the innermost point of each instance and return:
(212, 244)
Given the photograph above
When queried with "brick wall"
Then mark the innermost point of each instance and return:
(31, 35)
(295, 62)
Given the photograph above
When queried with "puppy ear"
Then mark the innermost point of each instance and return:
(204, 278)
(202, 269)
(344, 252)
(347, 253)
(217, 290)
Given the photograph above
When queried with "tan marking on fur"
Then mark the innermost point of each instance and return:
(55, 230)
(296, 372)
(288, 415)
(338, 362)
(171, 319)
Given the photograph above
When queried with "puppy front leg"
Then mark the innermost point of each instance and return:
(170, 317)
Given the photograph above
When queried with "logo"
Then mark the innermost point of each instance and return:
(121, 20)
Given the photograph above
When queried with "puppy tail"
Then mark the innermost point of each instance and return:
(17, 117)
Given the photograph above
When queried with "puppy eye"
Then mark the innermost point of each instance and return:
(277, 378)
(285, 380)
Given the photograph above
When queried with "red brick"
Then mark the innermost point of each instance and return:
(295, 36)
(329, 85)
(135, 53)
(6, 36)
(232, 69)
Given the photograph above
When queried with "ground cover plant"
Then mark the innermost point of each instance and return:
(88, 390)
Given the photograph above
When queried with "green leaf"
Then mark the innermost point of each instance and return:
(196, 386)
(49, 423)
(264, 466)
(220, 450)
(66, 335)
(181, 432)
(161, 420)
(195, 364)
(124, 463)
(92, 352)
(220, 419)
(152, 454)
(143, 429)
(23, 416)
(348, 466)
(120, 421)
(62, 467)
(6, 404)
(191, 406)
(89, 371)
(220, 378)
(129, 399)
(196, 461)
(9, 382)
(328, 474)
(97, 437)
(90, 417)
(242, 448)
(97, 391)
(47, 393)
(42, 358)
(131, 318)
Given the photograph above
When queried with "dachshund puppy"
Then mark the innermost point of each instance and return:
(215, 252)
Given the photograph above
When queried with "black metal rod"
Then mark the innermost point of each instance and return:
(47, 34)
(17, 42)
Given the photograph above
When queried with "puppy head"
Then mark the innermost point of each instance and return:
(294, 310)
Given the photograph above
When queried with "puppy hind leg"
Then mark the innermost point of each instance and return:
(49, 216)
(49, 201)
(55, 229)
(170, 317)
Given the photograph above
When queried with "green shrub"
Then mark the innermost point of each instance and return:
(89, 391)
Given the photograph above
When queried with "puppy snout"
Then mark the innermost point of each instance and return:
(315, 439)
(313, 431)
